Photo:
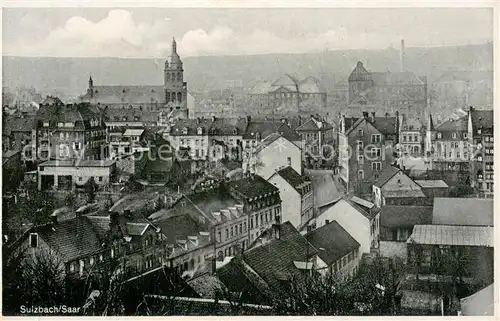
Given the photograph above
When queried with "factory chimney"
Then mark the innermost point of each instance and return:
(402, 56)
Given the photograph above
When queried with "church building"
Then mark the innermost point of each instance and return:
(172, 97)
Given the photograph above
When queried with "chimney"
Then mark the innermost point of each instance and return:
(365, 114)
(373, 116)
(402, 56)
(214, 266)
(300, 120)
(53, 219)
(249, 119)
(277, 231)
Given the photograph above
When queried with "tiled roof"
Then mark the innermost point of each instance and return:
(452, 235)
(293, 178)
(9, 153)
(212, 201)
(263, 127)
(312, 124)
(226, 126)
(206, 285)
(78, 163)
(395, 78)
(369, 211)
(385, 125)
(72, 238)
(192, 126)
(459, 125)
(78, 114)
(386, 174)
(178, 227)
(127, 94)
(482, 118)
(273, 261)
(324, 189)
(463, 211)
(332, 241)
(18, 124)
(267, 141)
(131, 115)
(253, 186)
(287, 132)
(432, 183)
(405, 216)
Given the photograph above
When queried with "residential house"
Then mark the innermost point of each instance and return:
(194, 135)
(366, 147)
(271, 265)
(396, 226)
(125, 141)
(274, 152)
(394, 187)
(66, 174)
(433, 188)
(68, 132)
(12, 171)
(338, 251)
(480, 140)
(459, 242)
(447, 145)
(411, 137)
(189, 246)
(325, 192)
(16, 134)
(261, 201)
(360, 218)
(258, 129)
(296, 196)
(317, 138)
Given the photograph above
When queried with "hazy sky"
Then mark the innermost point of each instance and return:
(145, 32)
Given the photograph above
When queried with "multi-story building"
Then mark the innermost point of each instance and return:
(366, 147)
(171, 96)
(317, 138)
(411, 137)
(480, 140)
(16, 134)
(273, 153)
(296, 196)
(447, 145)
(124, 141)
(68, 132)
(261, 201)
(67, 174)
(287, 93)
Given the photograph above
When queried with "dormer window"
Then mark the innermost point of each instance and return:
(184, 131)
(454, 135)
(199, 130)
(34, 240)
(360, 132)
(465, 135)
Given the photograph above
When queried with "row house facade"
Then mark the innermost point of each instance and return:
(411, 137)
(480, 139)
(68, 132)
(447, 144)
(366, 147)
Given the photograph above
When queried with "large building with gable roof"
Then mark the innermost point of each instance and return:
(171, 97)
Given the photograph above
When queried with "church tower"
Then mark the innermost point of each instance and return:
(90, 90)
(175, 87)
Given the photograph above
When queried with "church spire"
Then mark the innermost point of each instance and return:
(174, 46)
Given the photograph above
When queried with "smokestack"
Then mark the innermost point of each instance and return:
(402, 56)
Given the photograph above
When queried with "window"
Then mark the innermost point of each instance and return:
(479, 131)
(101, 257)
(72, 267)
(360, 145)
(376, 138)
(244, 226)
(360, 132)
(454, 135)
(251, 222)
(100, 179)
(219, 236)
(361, 174)
(46, 124)
(61, 136)
(465, 135)
(199, 131)
(376, 166)
(34, 240)
(375, 152)
(261, 219)
(439, 135)
(241, 228)
(91, 260)
(289, 161)
(361, 159)
(227, 233)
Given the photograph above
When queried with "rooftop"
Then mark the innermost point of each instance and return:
(78, 163)
(332, 241)
(324, 189)
(405, 216)
(386, 174)
(463, 211)
(253, 186)
(432, 183)
(482, 118)
(452, 235)
(293, 178)
(367, 209)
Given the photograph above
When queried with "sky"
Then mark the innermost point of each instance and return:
(148, 32)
